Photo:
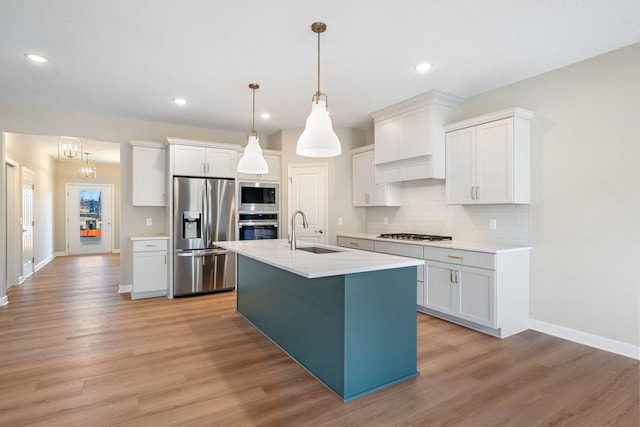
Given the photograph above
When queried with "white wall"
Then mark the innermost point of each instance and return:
(584, 217)
(340, 199)
(23, 150)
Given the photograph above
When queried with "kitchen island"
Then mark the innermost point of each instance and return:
(346, 316)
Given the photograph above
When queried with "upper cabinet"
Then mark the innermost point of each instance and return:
(193, 158)
(273, 161)
(409, 137)
(148, 174)
(488, 159)
(365, 191)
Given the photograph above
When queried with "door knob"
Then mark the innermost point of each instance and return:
(319, 231)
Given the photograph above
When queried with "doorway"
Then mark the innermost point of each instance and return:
(308, 191)
(28, 259)
(89, 218)
(12, 218)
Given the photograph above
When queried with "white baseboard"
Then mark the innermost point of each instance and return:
(602, 343)
(125, 289)
(4, 301)
(44, 262)
(115, 251)
(61, 253)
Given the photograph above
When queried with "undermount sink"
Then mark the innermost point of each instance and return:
(317, 250)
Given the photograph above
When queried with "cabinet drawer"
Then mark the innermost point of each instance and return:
(402, 249)
(350, 242)
(150, 245)
(457, 256)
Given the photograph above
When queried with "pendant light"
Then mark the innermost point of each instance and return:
(69, 148)
(87, 170)
(252, 160)
(318, 138)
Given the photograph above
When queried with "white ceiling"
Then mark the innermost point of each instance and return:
(131, 58)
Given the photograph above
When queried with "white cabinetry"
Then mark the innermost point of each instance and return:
(273, 161)
(409, 137)
(149, 267)
(485, 291)
(488, 159)
(365, 190)
(148, 175)
(199, 160)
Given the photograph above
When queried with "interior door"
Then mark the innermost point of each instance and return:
(27, 223)
(89, 217)
(12, 225)
(308, 192)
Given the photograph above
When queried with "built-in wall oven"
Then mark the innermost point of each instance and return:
(258, 197)
(257, 226)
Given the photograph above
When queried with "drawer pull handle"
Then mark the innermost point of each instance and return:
(150, 246)
(354, 244)
(455, 256)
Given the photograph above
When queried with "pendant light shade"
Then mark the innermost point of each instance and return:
(252, 161)
(318, 138)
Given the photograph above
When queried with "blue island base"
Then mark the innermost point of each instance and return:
(356, 333)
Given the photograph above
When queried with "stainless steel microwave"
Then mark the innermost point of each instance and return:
(258, 197)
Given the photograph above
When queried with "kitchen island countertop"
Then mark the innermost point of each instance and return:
(310, 265)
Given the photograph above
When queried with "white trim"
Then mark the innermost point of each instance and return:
(125, 289)
(595, 341)
(491, 117)
(115, 251)
(57, 254)
(4, 301)
(44, 262)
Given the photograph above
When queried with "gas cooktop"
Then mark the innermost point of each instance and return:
(413, 236)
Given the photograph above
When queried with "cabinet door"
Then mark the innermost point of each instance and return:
(438, 288)
(148, 176)
(362, 168)
(221, 163)
(150, 272)
(189, 160)
(388, 134)
(415, 134)
(476, 295)
(461, 166)
(494, 160)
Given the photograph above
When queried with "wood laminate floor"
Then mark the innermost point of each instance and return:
(75, 352)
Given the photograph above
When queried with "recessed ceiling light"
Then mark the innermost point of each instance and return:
(180, 101)
(423, 68)
(36, 58)
(265, 115)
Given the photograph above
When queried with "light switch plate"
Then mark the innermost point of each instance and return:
(149, 221)
(492, 224)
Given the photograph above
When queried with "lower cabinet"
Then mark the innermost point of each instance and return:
(464, 292)
(488, 292)
(149, 267)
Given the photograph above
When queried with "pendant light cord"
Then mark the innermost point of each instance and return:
(318, 93)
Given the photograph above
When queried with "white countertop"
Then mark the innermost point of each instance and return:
(348, 261)
(493, 248)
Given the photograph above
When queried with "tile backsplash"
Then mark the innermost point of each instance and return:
(425, 210)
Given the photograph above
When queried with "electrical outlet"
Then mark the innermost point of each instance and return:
(385, 220)
(492, 224)
(149, 221)
(339, 220)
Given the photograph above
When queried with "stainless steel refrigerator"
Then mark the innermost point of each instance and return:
(204, 211)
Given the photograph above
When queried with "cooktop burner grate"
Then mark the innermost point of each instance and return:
(413, 236)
